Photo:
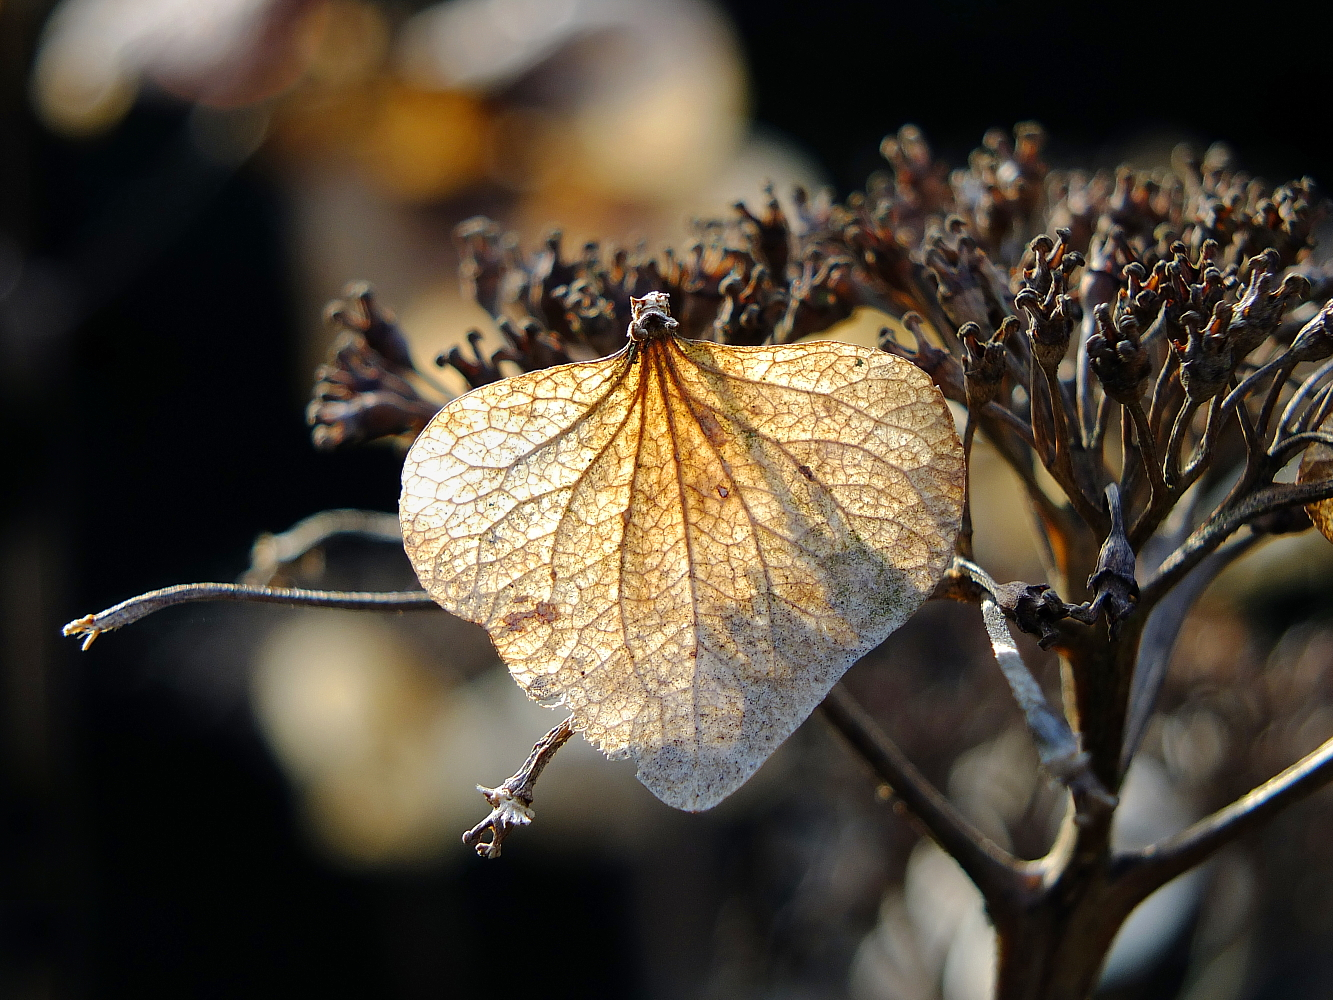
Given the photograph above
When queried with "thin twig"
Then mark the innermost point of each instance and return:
(1184, 416)
(1303, 392)
(1085, 401)
(1055, 519)
(1221, 526)
(1178, 481)
(1270, 402)
(1062, 466)
(1254, 453)
(1057, 745)
(964, 543)
(271, 552)
(1052, 733)
(994, 870)
(128, 612)
(1319, 410)
(1043, 422)
(511, 802)
(1148, 451)
(1011, 420)
(1052, 447)
(1131, 466)
(1251, 381)
(1280, 453)
(1204, 451)
(1156, 865)
(435, 384)
(1100, 423)
(1158, 405)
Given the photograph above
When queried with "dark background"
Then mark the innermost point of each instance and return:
(148, 851)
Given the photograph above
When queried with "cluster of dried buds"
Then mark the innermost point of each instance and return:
(1053, 305)
(368, 388)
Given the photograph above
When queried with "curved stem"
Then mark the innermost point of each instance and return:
(1308, 388)
(964, 543)
(1011, 420)
(1148, 451)
(1280, 453)
(1270, 401)
(128, 612)
(1100, 423)
(1251, 380)
(271, 552)
(1319, 409)
(1183, 417)
(1200, 456)
(1159, 391)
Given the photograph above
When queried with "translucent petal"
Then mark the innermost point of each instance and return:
(687, 543)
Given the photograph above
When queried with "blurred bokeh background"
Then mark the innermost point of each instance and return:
(234, 801)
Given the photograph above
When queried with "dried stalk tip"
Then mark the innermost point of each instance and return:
(511, 802)
(986, 362)
(85, 627)
(141, 606)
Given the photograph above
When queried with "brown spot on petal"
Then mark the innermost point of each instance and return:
(517, 621)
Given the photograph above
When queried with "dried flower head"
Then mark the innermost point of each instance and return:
(687, 543)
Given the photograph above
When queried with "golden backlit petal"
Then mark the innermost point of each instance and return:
(688, 543)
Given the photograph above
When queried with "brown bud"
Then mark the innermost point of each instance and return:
(1117, 358)
(1113, 584)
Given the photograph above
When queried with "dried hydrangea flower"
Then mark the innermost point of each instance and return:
(688, 543)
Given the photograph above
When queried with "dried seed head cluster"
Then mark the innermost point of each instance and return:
(1049, 302)
(1180, 303)
(368, 388)
(1195, 249)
